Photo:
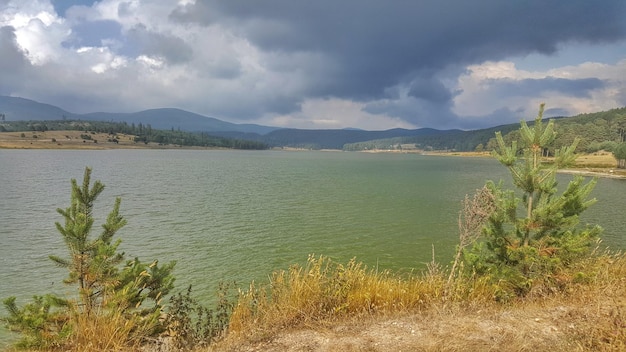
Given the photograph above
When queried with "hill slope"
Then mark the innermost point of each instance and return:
(16, 109)
(601, 130)
(170, 118)
(20, 109)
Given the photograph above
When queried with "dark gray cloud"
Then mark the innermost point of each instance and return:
(377, 44)
(501, 116)
(427, 63)
(555, 112)
(140, 41)
(12, 62)
(422, 113)
(430, 89)
(579, 88)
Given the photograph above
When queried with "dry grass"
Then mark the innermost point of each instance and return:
(601, 159)
(64, 140)
(326, 307)
(110, 332)
(323, 291)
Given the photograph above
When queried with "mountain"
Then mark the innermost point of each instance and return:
(168, 118)
(595, 130)
(177, 119)
(17, 109)
(336, 139)
(20, 109)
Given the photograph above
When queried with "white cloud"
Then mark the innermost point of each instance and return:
(38, 29)
(480, 95)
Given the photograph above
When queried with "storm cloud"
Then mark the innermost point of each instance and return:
(378, 44)
(442, 64)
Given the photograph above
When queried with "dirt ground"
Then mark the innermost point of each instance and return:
(553, 327)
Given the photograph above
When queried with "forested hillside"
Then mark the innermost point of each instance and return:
(336, 139)
(456, 140)
(596, 131)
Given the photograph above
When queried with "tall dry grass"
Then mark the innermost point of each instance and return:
(585, 304)
(104, 332)
(323, 291)
(583, 309)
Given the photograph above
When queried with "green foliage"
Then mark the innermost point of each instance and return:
(620, 154)
(596, 131)
(192, 325)
(95, 266)
(40, 322)
(531, 237)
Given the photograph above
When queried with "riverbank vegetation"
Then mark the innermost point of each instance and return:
(526, 276)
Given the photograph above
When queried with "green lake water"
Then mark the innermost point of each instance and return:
(238, 215)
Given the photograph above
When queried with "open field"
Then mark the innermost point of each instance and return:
(65, 140)
(601, 164)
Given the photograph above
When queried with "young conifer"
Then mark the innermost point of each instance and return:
(106, 287)
(92, 263)
(532, 236)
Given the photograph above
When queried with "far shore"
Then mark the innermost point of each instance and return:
(600, 164)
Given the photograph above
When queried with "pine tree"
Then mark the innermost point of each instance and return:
(532, 236)
(92, 263)
(106, 286)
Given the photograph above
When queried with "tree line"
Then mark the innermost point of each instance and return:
(144, 133)
(596, 131)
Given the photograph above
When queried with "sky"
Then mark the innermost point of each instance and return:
(321, 64)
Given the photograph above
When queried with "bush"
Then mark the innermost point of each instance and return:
(620, 154)
(192, 325)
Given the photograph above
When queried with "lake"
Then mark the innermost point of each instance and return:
(238, 215)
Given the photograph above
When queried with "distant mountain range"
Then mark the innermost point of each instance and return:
(608, 126)
(20, 109)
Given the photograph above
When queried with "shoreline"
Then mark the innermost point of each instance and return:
(601, 164)
(610, 173)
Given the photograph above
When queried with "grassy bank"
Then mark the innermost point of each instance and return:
(334, 307)
(326, 306)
